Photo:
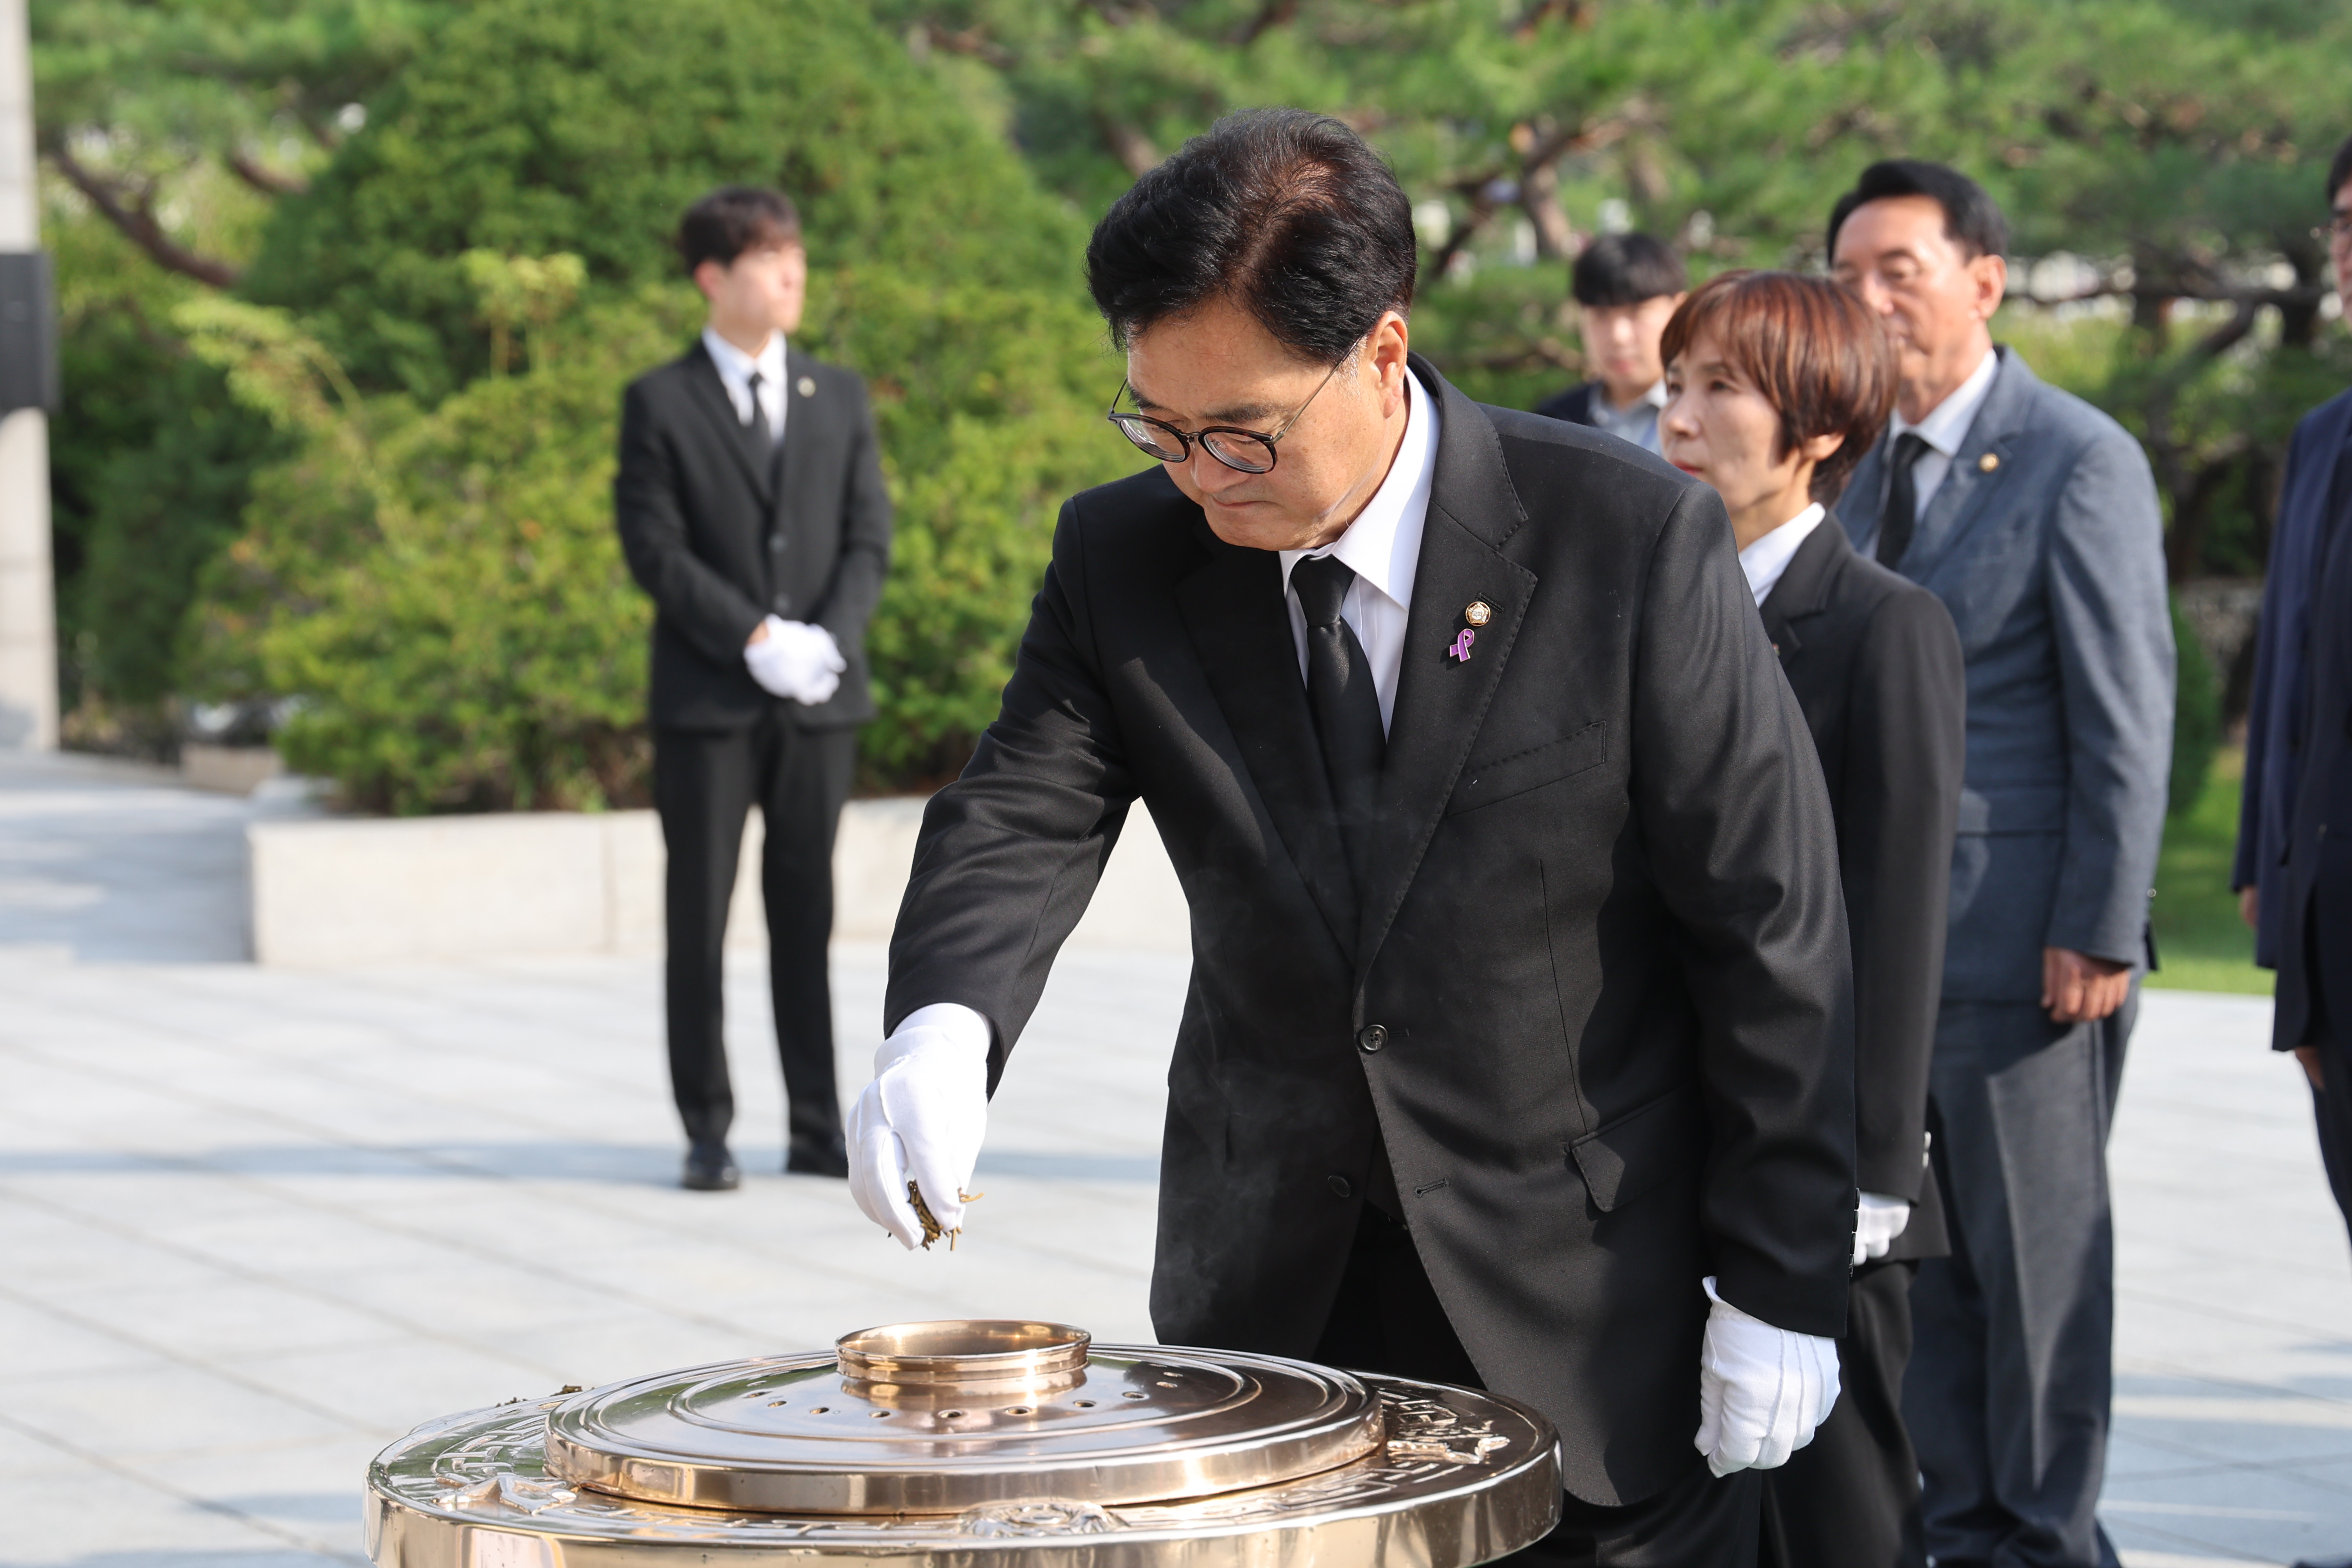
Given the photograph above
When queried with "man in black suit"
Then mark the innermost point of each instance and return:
(1777, 387)
(751, 509)
(1518, 1050)
(2294, 877)
(1625, 286)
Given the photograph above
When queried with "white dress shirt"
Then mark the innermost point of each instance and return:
(1383, 545)
(1946, 426)
(735, 368)
(1638, 424)
(1766, 559)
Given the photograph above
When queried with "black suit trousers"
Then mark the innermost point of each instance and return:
(1849, 1499)
(1388, 1319)
(705, 784)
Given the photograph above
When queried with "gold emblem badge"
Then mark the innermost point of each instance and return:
(1479, 612)
(1988, 463)
(808, 387)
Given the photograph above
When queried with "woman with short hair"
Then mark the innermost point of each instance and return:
(1777, 385)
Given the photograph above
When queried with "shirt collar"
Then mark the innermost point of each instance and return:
(1383, 546)
(735, 366)
(1766, 559)
(1946, 424)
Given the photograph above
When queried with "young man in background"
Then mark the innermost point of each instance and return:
(1625, 286)
(751, 508)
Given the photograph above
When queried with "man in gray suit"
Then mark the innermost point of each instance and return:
(2034, 517)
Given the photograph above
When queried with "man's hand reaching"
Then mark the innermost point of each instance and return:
(921, 1120)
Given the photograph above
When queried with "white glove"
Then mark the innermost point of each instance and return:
(1876, 1224)
(1761, 1390)
(921, 1117)
(796, 660)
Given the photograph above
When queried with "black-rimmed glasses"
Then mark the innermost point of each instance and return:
(1247, 451)
(2335, 231)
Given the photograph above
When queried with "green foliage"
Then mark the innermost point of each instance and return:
(2201, 943)
(150, 466)
(539, 126)
(434, 573)
(2196, 718)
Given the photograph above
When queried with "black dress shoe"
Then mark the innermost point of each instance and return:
(709, 1168)
(812, 1157)
(2323, 1562)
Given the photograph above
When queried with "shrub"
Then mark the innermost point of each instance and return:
(435, 574)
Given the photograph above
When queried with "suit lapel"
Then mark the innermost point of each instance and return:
(711, 393)
(1441, 701)
(1803, 587)
(1240, 626)
(1964, 499)
(790, 461)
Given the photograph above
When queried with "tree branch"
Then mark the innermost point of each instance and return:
(1132, 147)
(1271, 15)
(1490, 191)
(135, 218)
(266, 180)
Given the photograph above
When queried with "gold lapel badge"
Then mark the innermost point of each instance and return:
(808, 387)
(1479, 612)
(1988, 463)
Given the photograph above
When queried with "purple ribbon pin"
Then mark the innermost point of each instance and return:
(1461, 649)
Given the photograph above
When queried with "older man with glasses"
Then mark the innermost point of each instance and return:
(2294, 876)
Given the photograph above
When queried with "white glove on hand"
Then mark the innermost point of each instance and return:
(796, 660)
(1761, 1390)
(921, 1117)
(1876, 1224)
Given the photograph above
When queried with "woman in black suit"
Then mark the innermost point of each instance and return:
(1776, 386)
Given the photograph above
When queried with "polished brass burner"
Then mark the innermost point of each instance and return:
(1006, 1442)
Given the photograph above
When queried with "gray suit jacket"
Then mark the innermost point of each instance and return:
(2046, 543)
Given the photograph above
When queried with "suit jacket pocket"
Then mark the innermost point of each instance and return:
(1628, 1156)
(1486, 781)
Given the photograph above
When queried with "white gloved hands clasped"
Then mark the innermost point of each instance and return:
(796, 660)
(921, 1119)
(1761, 1390)
(1876, 1224)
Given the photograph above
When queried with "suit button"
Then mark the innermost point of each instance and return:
(2322, 830)
(1373, 1037)
(775, 544)
(1341, 1188)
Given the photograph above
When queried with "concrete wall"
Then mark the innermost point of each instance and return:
(456, 888)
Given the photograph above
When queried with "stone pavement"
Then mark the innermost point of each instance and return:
(253, 1223)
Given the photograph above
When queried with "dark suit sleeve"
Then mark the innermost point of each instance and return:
(856, 586)
(714, 615)
(1906, 744)
(1736, 822)
(1010, 852)
(2114, 629)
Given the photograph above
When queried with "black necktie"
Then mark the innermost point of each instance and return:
(755, 424)
(1346, 709)
(1340, 694)
(1900, 515)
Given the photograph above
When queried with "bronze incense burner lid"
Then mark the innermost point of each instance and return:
(1003, 1441)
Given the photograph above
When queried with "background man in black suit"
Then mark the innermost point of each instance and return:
(1518, 1049)
(1778, 385)
(2294, 879)
(1625, 286)
(751, 508)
